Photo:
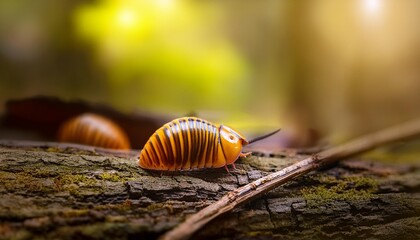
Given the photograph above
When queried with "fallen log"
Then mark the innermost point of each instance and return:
(70, 193)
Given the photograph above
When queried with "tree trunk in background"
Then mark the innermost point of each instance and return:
(73, 194)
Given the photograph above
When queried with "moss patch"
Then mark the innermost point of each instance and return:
(13, 182)
(332, 189)
(77, 179)
(112, 176)
(122, 207)
(74, 183)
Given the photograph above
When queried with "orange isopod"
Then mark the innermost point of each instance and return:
(190, 143)
(93, 129)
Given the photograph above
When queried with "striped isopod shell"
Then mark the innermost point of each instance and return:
(189, 143)
(95, 130)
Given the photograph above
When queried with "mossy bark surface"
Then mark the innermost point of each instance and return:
(71, 194)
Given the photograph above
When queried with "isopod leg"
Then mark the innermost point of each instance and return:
(242, 155)
(227, 168)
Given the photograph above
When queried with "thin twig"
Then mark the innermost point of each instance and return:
(252, 190)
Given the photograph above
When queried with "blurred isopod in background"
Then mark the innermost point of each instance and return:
(93, 129)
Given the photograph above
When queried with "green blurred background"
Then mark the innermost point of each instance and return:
(342, 68)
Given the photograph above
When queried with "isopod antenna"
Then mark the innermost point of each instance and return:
(263, 136)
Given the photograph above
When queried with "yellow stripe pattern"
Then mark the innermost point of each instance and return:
(184, 143)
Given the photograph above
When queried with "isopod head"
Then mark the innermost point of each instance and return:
(231, 143)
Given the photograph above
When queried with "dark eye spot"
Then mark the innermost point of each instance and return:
(231, 137)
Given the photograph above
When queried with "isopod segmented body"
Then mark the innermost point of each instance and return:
(93, 129)
(189, 143)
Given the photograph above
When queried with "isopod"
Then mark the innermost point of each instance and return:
(190, 143)
(93, 129)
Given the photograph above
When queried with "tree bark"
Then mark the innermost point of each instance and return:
(68, 193)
